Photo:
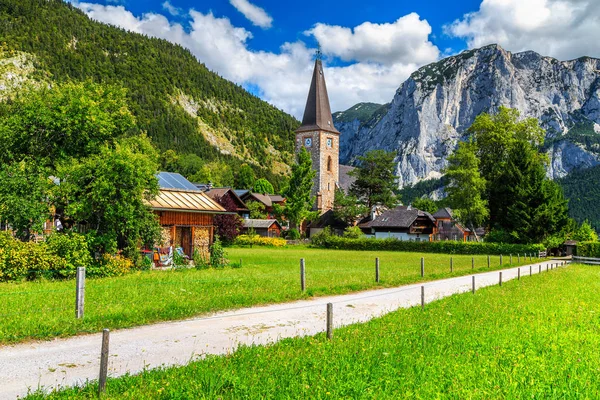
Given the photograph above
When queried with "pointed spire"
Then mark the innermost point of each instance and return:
(317, 114)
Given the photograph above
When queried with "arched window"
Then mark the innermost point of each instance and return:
(329, 162)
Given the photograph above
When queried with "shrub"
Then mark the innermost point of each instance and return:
(178, 260)
(73, 248)
(256, 240)
(353, 232)
(200, 261)
(329, 241)
(293, 234)
(588, 249)
(26, 260)
(217, 255)
(110, 265)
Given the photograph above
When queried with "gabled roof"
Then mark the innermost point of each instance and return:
(266, 199)
(217, 193)
(184, 201)
(260, 223)
(443, 213)
(328, 219)
(399, 217)
(317, 113)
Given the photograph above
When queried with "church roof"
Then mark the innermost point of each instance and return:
(317, 113)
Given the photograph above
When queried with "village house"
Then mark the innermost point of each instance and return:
(267, 200)
(185, 215)
(263, 227)
(402, 223)
(450, 229)
(236, 203)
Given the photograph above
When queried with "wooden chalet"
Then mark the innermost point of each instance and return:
(402, 223)
(238, 206)
(263, 227)
(185, 214)
(268, 200)
(450, 229)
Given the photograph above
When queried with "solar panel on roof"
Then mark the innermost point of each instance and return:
(171, 180)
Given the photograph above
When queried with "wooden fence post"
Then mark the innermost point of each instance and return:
(488, 261)
(329, 320)
(422, 297)
(519, 274)
(451, 265)
(302, 275)
(530, 270)
(472, 262)
(473, 284)
(103, 362)
(540, 269)
(500, 259)
(422, 267)
(500, 281)
(79, 292)
(377, 270)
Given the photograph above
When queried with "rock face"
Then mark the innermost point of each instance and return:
(433, 108)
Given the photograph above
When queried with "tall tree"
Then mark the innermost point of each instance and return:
(375, 180)
(263, 186)
(107, 191)
(347, 208)
(245, 177)
(425, 204)
(466, 187)
(299, 200)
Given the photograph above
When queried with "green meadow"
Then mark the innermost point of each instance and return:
(536, 338)
(46, 309)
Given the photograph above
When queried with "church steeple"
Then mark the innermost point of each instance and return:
(320, 138)
(317, 113)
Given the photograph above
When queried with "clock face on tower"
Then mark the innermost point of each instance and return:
(308, 142)
(329, 142)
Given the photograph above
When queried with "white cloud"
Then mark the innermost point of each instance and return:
(255, 14)
(171, 9)
(283, 77)
(564, 29)
(404, 41)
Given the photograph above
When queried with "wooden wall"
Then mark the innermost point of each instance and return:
(168, 218)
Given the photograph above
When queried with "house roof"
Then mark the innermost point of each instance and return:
(260, 223)
(184, 201)
(172, 180)
(317, 113)
(328, 219)
(443, 213)
(217, 193)
(345, 180)
(399, 217)
(570, 243)
(266, 199)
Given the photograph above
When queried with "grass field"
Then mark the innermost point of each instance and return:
(536, 338)
(39, 310)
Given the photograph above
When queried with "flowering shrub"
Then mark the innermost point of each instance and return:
(256, 240)
(110, 265)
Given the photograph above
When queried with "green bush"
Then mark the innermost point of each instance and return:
(26, 260)
(588, 249)
(217, 255)
(328, 241)
(110, 265)
(293, 234)
(73, 248)
(353, 232)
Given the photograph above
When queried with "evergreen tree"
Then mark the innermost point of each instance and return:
(375, 180)
(347, 208)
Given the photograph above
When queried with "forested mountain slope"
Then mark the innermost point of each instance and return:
(180, 103)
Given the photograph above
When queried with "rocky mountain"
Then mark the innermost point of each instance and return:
(431, 110)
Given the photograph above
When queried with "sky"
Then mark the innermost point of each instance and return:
(369, 47)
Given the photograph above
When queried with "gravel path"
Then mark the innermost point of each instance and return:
(72, 361)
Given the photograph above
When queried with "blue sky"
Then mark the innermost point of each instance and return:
(370, 47)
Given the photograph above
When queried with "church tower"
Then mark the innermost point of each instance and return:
(318, 135)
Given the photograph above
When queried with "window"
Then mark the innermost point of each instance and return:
(329, 162)
(329, 142)
(328, 186)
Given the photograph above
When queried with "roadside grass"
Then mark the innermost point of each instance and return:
(534, 338)
(46, 309)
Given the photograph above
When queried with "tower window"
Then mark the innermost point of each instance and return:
(328, 186)
(329, 162)
(329, 142)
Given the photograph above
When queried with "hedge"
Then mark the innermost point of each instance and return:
(446, 247)
(256, 240)
(588, 249)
